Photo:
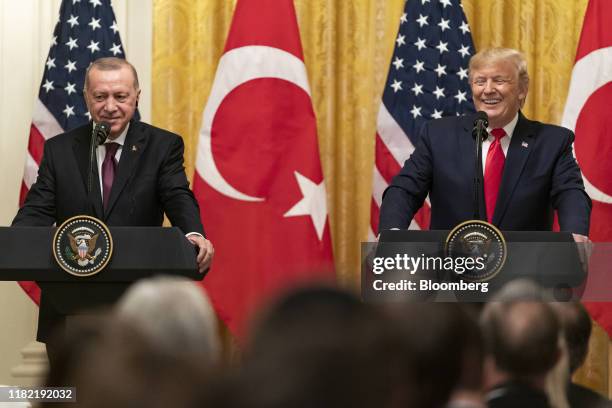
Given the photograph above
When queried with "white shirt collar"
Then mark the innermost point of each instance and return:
(509, 128)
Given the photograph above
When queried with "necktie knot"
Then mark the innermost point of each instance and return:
(111, 148)
(498, 133)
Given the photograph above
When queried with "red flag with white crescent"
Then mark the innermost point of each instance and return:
(587, 112)
(258, 173)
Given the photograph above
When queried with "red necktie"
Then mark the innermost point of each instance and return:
(494, 168)
(109, 165)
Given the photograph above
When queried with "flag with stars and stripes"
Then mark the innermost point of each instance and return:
(86, 31)
(428, 79)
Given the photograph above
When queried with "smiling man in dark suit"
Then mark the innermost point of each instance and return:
(139, 174)
(529, 169)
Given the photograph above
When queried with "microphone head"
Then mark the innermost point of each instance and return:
(102, 131)
(481, 116)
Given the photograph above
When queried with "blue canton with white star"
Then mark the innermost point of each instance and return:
(428, 76)
(86, 31)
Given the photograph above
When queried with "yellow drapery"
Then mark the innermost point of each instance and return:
(347, 47)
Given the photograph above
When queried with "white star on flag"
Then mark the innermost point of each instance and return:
(437, 114)
(70, 88)
(460, 96)
(464, 50)
(115, 49)
(50, 63)
(114, 27)
(398, 63)
(422, 20)
(48, 86)
(463, 73)
(418, 66)
(72, 43)
(417, 89)
(73, 20)
(440, 70)
(464, 27)
(443, 46)
(95, 3)
(444, 25)
(445, 3)
(415, 111)
(93, 46)
(69, 111)
(401, 40)
(403, 19)
(94, 23)
(396, 85)
(313, 203)
(439, 92)
(420, 43)
(70, 66)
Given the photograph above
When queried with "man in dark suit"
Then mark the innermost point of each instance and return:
(522, 346)
(529, 169)
(139, 174)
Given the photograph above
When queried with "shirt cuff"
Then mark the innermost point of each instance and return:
(195, 233)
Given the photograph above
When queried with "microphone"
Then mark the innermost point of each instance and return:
(98, 136)
(101, 132)
(481, 122)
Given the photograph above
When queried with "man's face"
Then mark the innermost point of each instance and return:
(111, 97)
(496, 91)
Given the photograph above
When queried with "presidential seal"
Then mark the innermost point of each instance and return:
(82, 245)
(483, 243)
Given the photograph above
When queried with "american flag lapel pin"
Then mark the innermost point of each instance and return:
(525, 144)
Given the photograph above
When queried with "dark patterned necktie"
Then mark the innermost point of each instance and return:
(109, 166)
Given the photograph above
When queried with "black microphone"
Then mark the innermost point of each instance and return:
(98, 137)
(481, 122)
(101, 132)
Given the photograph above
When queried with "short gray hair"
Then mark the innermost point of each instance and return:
(110, 64)
(175, 314)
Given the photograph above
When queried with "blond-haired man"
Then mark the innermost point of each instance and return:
(529, 169)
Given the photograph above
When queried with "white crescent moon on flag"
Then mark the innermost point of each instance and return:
(589, 74)
(236, 67)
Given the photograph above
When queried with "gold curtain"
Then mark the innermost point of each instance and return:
(347, 46)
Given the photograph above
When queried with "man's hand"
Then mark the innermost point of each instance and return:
(206, 251)
(580, 238)
(585, 248)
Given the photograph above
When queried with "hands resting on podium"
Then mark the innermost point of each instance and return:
(585, 248)
(206, 251)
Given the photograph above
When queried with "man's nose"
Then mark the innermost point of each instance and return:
(110, 105)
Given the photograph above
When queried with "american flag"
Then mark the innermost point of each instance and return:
(86, 31)
(428, 79)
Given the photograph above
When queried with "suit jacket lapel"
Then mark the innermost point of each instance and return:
(80, 147)
(518, 152)
(130, 154)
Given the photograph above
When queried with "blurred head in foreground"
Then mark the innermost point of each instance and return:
(321, 347)
(175, 314)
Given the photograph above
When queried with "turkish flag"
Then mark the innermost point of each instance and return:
(258, 175)
(587, 112)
